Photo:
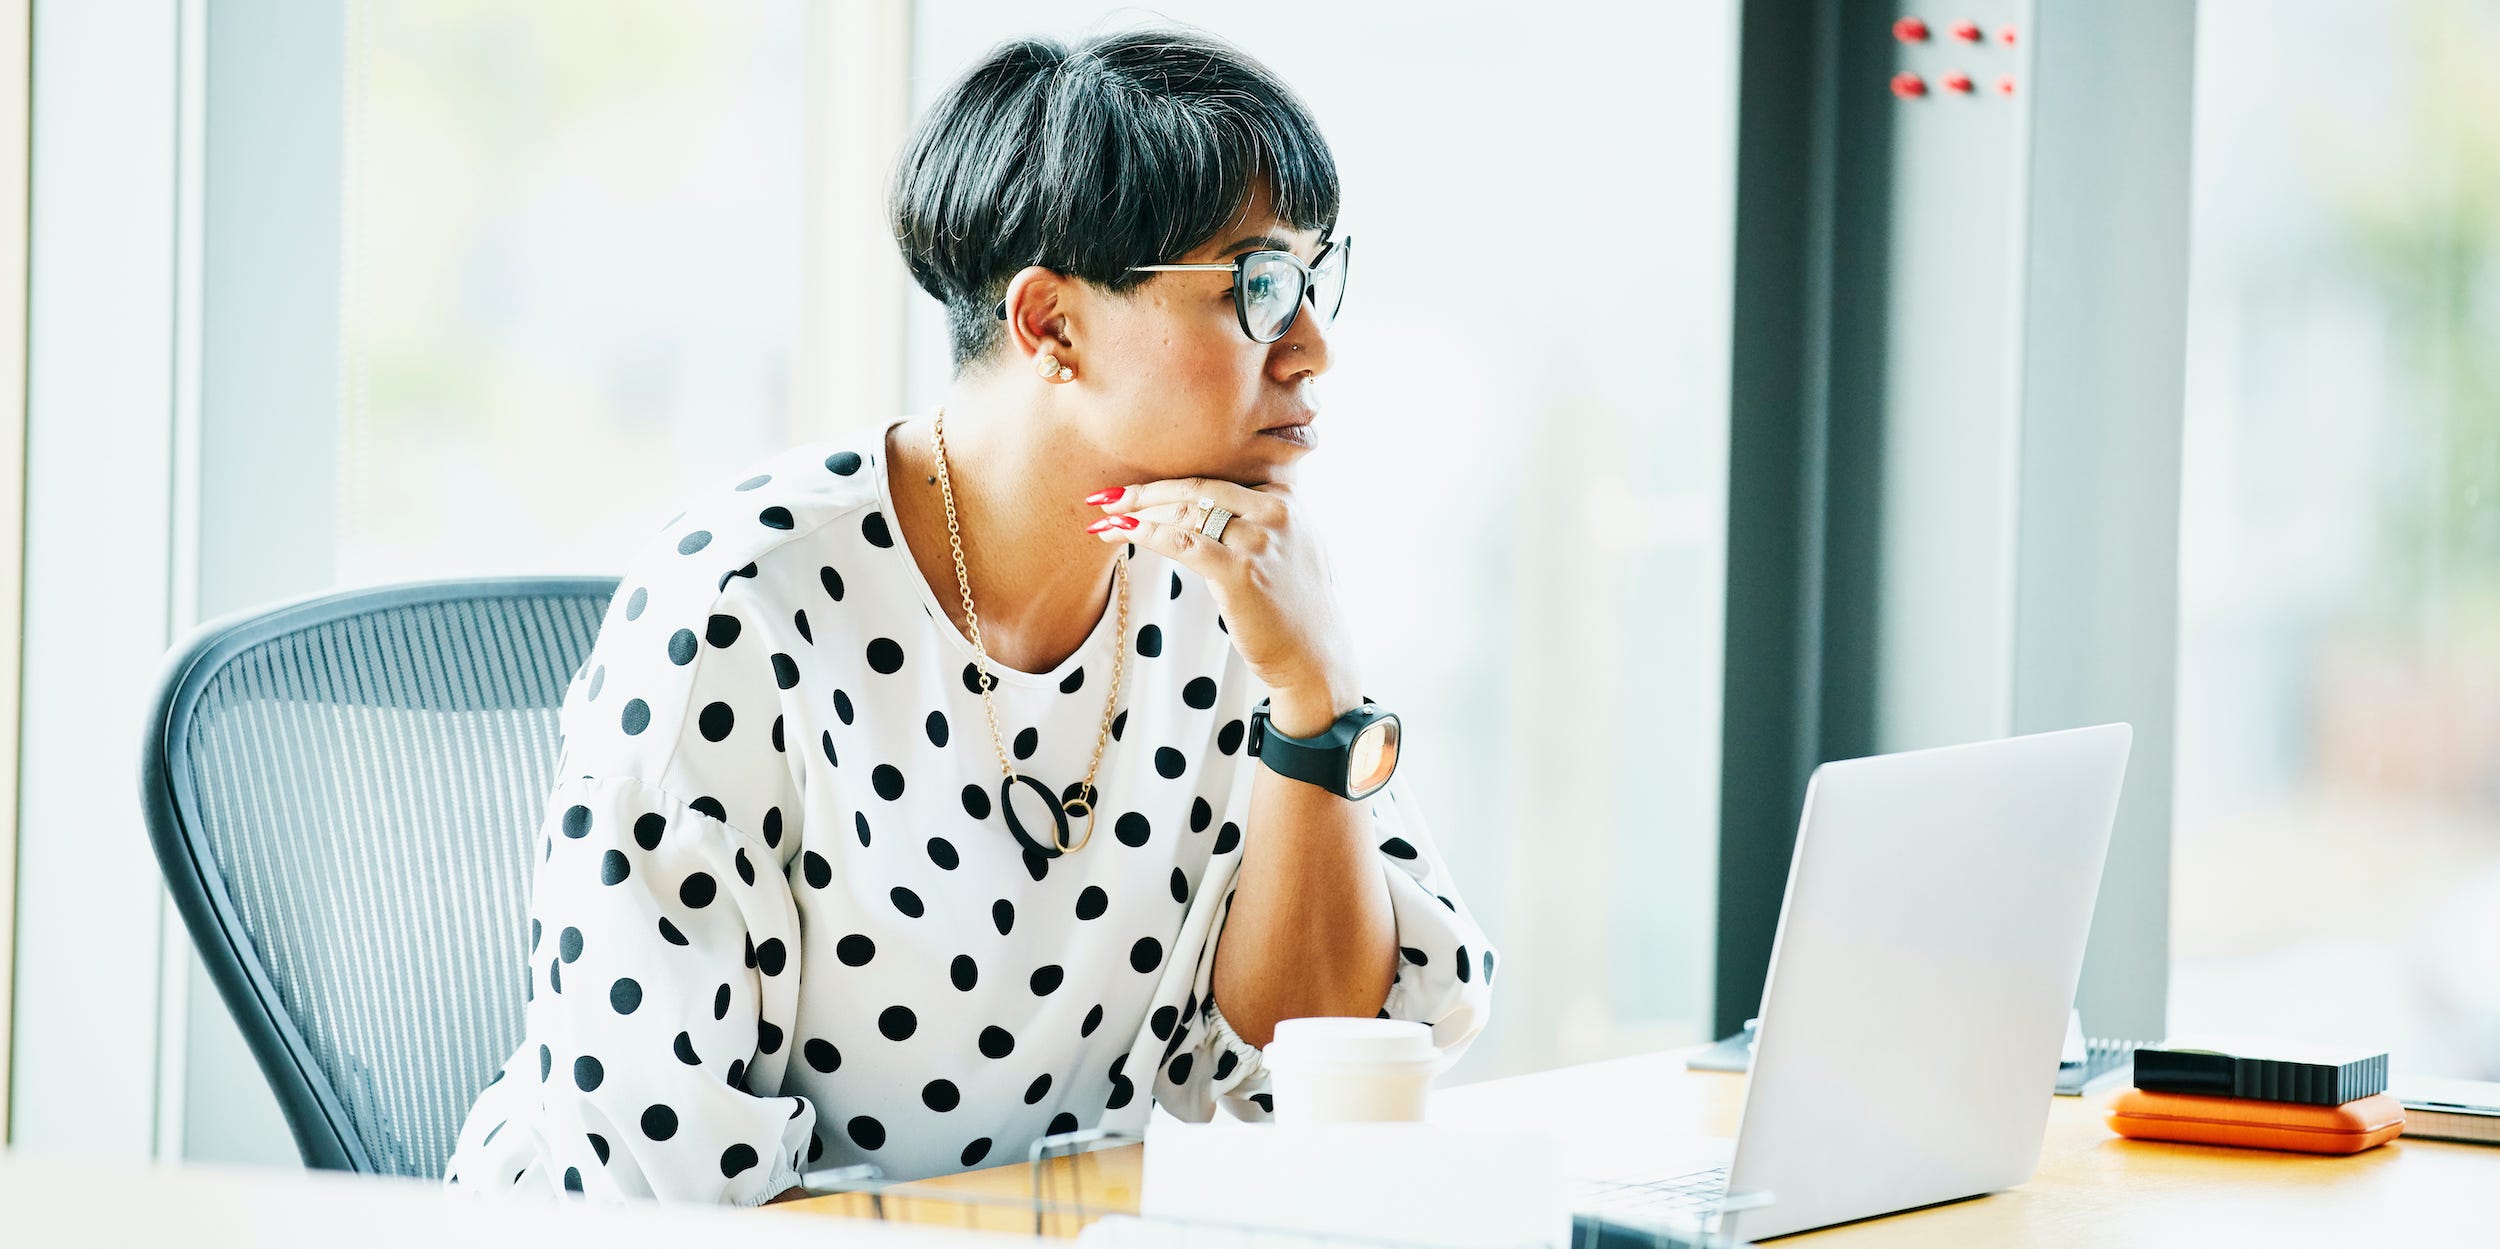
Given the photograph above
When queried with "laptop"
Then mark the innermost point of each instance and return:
(1928, 948)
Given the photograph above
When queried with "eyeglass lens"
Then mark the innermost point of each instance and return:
(1273, 287)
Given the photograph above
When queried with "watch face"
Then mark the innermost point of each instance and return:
(1373, 758)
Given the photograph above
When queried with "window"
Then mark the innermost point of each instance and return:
(2336, 866)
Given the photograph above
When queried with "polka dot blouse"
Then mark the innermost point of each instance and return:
(778, 922)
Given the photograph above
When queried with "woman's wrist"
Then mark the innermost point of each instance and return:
(1308, 708)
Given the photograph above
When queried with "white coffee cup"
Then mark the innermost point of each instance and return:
(1329, 1069)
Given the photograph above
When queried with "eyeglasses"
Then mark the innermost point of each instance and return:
(1269, 286)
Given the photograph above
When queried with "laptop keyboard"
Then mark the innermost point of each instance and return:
(1692, 1191)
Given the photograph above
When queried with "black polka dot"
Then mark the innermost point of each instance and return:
(1061, 1124)
(746, 868)
(572, 1179)
(798, 620)
(842, 705)
(1093, 1020)
(872, 527)
(625, 995)
(546, 1062)
(942, 853)
(1046, 979)
(777, 740)
(1036, 864)
(832, 582)
(1170, 763)
(1200, 815)
(1150, 641)
(634, 605)
(1092, 903)
(976, 1151)
(555, 977)
(819, 873)
(1178, 1069)
(535, 933)
(698, 891)
(936, 727)
(843, 462)
(694, 542)
(1074, 681)
(1119, 723)
(822, 1055)
(964, 972)
(997, 1042)
(1003, 914)
(569, 944)
(888, 780)
(648, 830)
(1176, 583)
(855, 950)
(614, 867)
(577, 822)
(785, 670)
(825, 740)
(859, 820)
(721, 630)
(670, 934)
(771, 956)
(1199, 693)
(716, 721)
(1488, 967)
(710, 806)
(940, 1095)
(659, 1122)
(1026, 742)
(681, 647)
(907, 902)
(598, 681)
(636, 718)
(767, 1037)
(1415, 956)
(772, 827)
(737, 1072)
(1228, 738)
(685, 1051)
(754, 482)
(976, 802)
(1132, 829)
(1465, 965)
(587, 1073)
(1146, 955)
(1224, 1064)
(885, 655)
(775, 517)
(815, 1146)
(1180, 886)
(898, 1023)
(720, 1002)
(977, 681)
(745, 570)
(1266, 1101)
(1123, 1090)
(1397, 848)
(736, 1158)
(1163, 1021)
(1227, 837)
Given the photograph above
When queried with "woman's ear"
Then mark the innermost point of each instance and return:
(1035, 321)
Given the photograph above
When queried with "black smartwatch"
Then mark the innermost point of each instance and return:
(1352, 759)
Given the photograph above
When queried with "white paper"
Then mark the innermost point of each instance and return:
(1399, 1182)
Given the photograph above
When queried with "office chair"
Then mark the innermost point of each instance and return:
(343, 792)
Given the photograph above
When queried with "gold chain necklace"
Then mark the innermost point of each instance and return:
(1065, 809)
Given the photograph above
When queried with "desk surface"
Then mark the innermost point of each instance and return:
(2093, 1187)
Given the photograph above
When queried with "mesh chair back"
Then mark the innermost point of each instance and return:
(343, 793)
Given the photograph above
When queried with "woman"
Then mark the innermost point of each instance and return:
(820, 885)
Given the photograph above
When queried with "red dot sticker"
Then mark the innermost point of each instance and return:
(1957, 82)
(1966, 30)
(1908, 86)
(2005, 85)
(2005, 35)
(1909, 30)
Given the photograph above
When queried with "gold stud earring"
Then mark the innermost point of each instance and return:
(1050, 370)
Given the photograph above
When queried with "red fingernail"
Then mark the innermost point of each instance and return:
(1099, 526)
(1106, 496)
(1122, 522)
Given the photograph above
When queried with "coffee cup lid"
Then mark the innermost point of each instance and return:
(1349, 1040)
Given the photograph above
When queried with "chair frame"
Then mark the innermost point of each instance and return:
(324, 1132)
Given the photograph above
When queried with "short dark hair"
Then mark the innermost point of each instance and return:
(1128, 148)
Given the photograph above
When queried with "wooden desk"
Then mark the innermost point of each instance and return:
(2093, 1187)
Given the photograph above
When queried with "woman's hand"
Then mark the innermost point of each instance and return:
(1270, 579)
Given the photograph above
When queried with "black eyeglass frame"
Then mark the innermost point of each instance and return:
(1241, 299)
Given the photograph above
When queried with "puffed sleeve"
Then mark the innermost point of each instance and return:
(663, 949)
(1444, 976)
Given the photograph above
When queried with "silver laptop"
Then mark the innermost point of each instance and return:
(1927, 953)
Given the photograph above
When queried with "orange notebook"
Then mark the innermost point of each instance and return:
(2347, 1129)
